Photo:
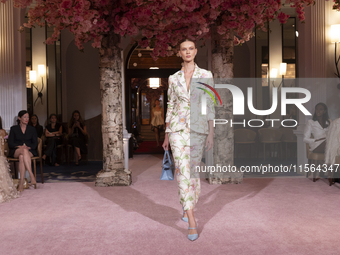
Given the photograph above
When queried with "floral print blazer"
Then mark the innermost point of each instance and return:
(184, 108)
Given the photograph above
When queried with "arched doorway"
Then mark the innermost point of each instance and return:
(140, 71)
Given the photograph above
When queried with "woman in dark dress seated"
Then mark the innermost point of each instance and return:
(23, 143)
(291, 115)
(318, 127)
(34, 122)
(53, 133)
(77, 134)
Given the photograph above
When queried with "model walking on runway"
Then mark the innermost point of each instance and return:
(186, 136)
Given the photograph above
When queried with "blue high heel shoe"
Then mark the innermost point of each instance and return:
(184, 219)
(193, 237)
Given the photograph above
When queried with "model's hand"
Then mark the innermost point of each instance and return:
(209, 142)
(25, 147)
(321, 139)
(166, 142)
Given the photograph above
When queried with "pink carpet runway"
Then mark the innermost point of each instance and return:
(259, 216)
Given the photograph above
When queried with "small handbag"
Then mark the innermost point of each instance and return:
(168, 167)
(16, 183)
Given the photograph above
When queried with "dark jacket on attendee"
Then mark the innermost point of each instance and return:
(17, 138)
(40, 130)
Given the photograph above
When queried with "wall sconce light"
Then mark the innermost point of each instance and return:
(41, 70)
(154, 83)
(283, 69)
(335, 33)
(335, 38)
(273, 73)
(33, 79)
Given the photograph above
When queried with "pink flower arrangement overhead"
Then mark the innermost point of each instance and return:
(336, 5)
(161, 24)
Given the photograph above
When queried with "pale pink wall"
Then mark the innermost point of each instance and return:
(80, 79)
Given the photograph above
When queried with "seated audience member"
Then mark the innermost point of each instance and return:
(333, 142)
(290, 116)
(77, 135)
(53, 133)
(318, 127)
(23, 143)
(34, 122)
(332, 151)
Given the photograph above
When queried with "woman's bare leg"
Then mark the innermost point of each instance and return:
(28, 164)
(157, 136)
(185, 215)
(192, 222)
(78, 154)
(24, 156)
(159, 133)
(22, 171)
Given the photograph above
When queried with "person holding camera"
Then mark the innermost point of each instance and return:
(77, 135)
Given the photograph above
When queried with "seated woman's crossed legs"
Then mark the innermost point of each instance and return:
(24, 156)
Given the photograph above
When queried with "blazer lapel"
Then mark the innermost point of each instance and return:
(197, 73)
(182, 84)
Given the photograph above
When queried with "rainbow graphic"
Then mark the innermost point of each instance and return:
(209, 93)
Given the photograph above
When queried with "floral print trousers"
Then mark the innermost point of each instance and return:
(187, 149)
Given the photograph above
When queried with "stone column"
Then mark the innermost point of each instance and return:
(222, 67)
(110, 68)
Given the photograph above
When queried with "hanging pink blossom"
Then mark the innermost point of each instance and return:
(282, 17)
(161, 23)
(336, 5)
